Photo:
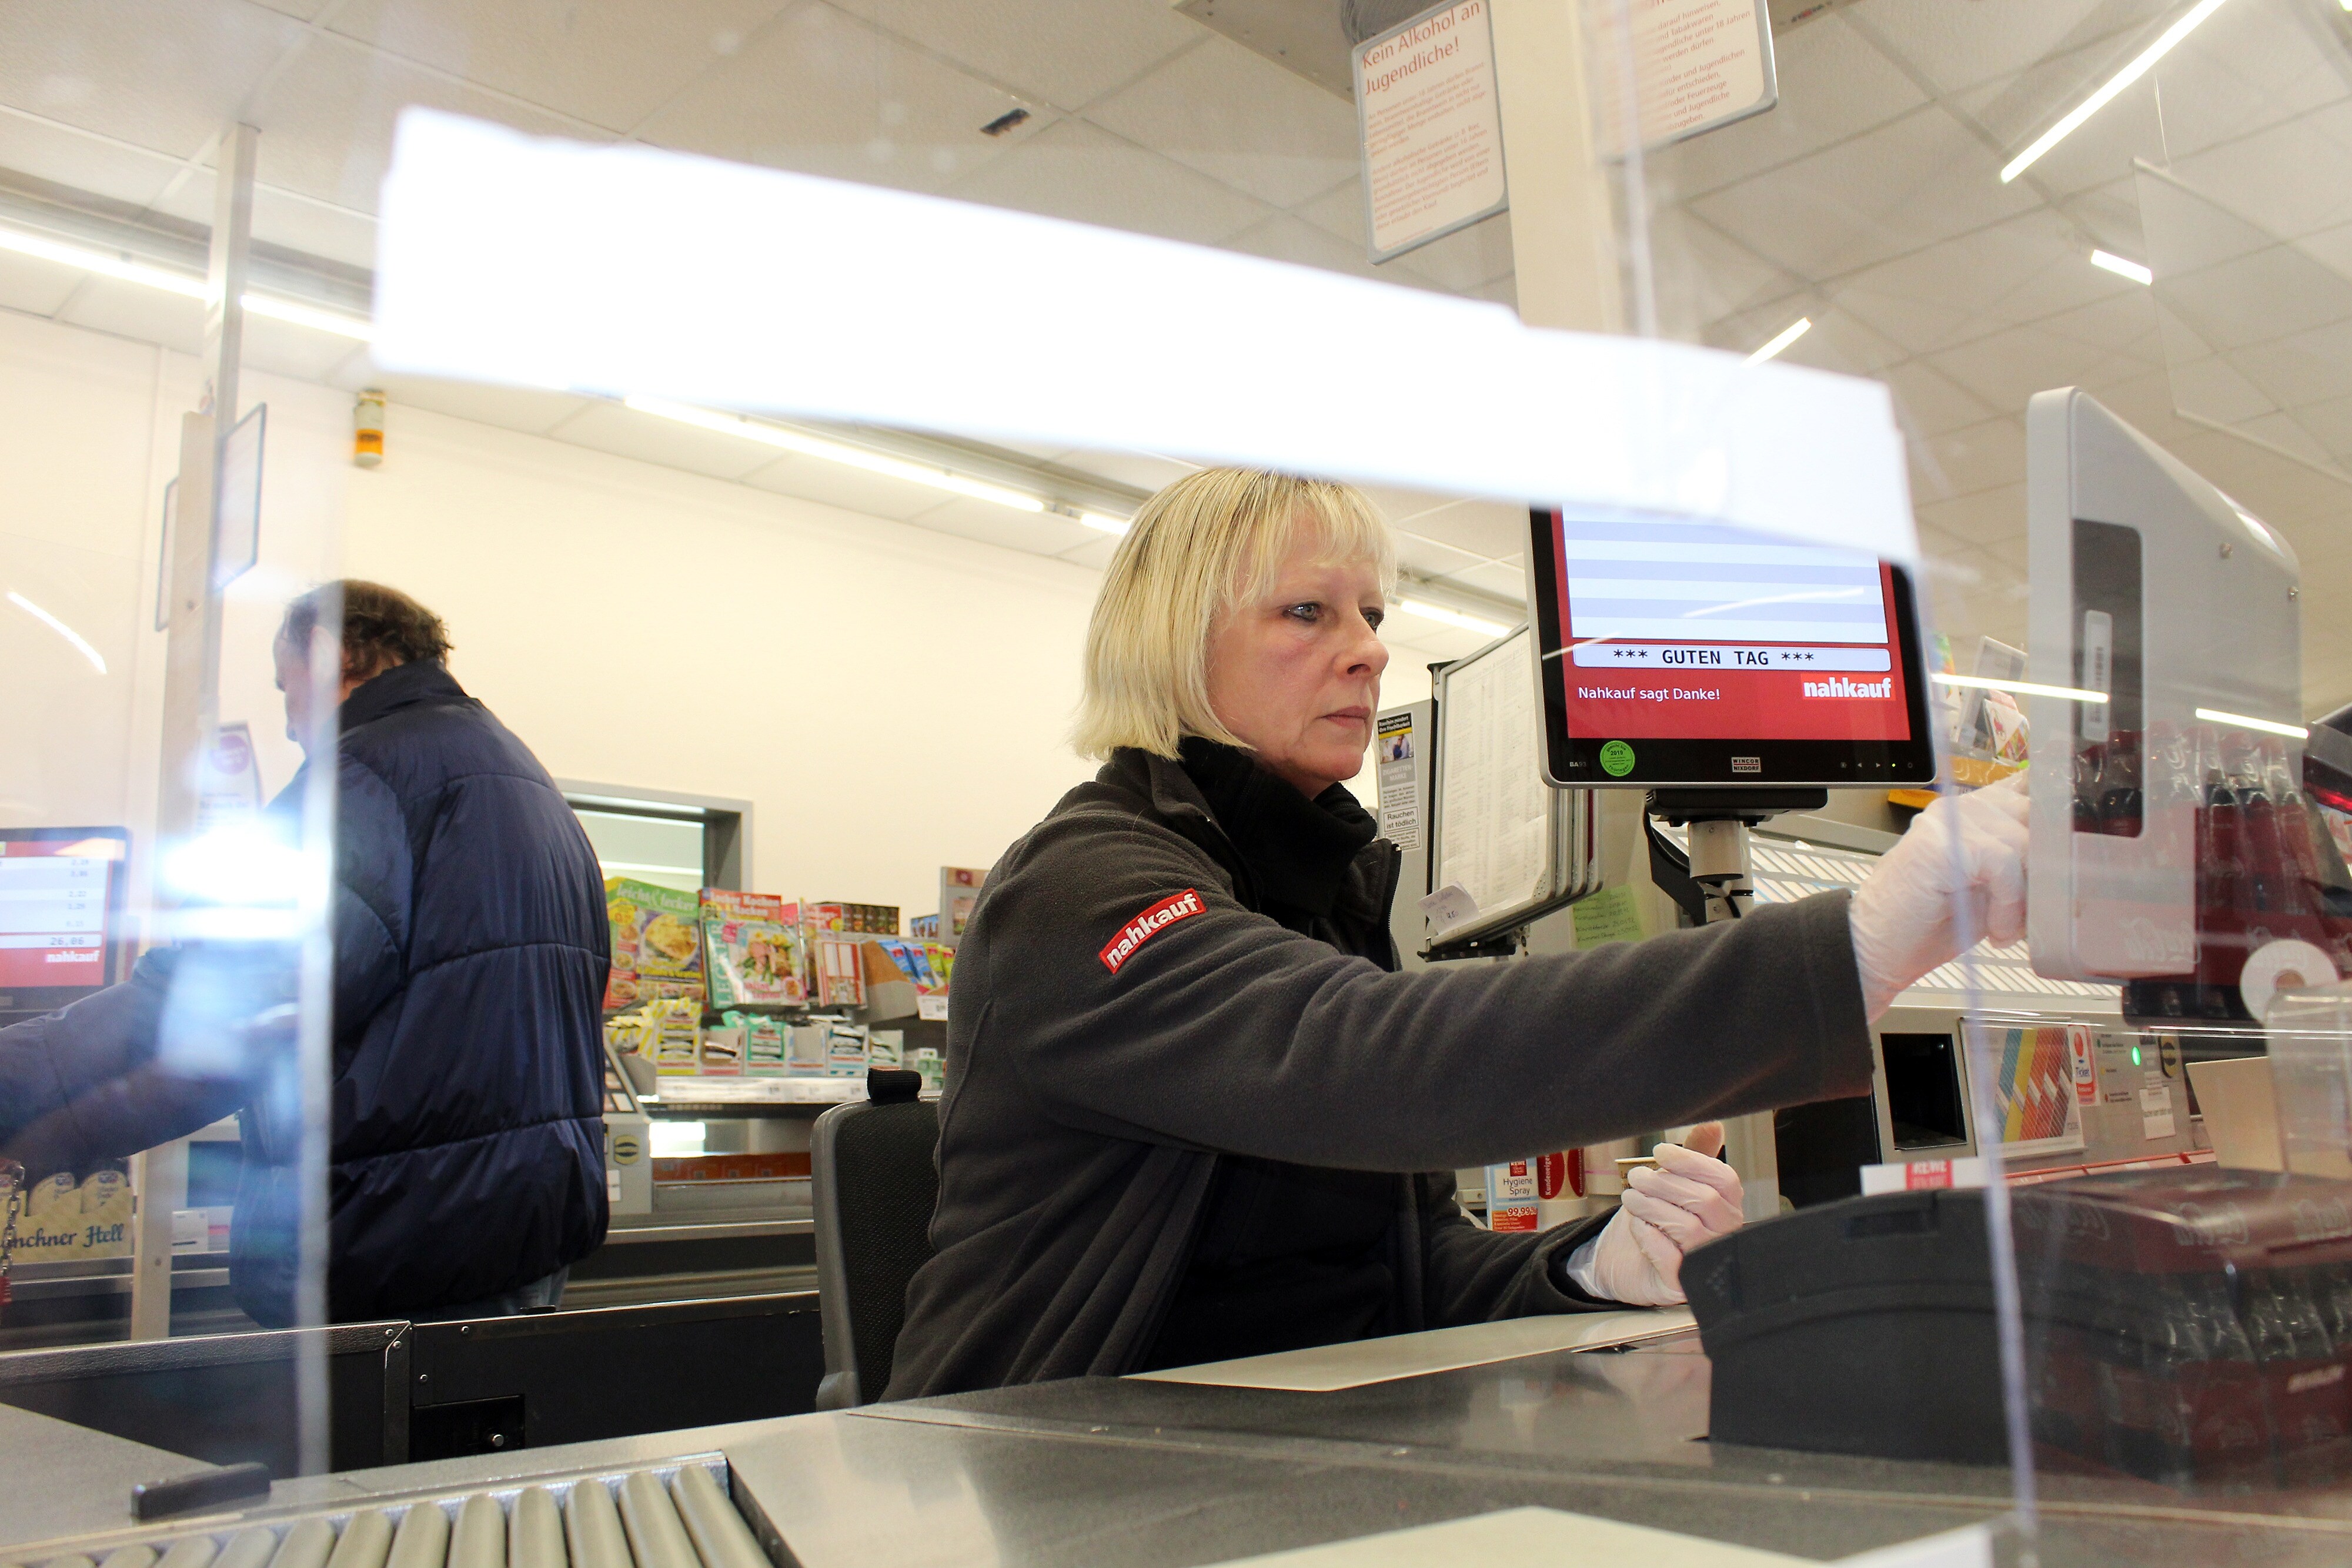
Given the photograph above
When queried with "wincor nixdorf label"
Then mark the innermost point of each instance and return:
(1140, 930)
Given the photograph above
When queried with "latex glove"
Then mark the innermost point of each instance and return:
(1689, 1200)
(1965, 852)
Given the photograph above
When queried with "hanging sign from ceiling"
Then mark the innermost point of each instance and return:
(1695, 65)
(1430, 128)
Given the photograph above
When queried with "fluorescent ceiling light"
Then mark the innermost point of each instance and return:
(2023, 688)
(2215, 715)
(2114, 84)
(2107, 261)
(1789, 334)
(81, 644)
(807, 445)
(187, 285)
(1105, 523)
(1439, 612)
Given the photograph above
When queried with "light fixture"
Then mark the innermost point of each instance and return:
(1105, 523)
(2021, 688)
(2216, 715)
(81, 643)
(1789, 334)
(1439, 612)
(808, 446)
(2107, 261)
(187, 285)
(2114, 84)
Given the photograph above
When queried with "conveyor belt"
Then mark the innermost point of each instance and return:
(641, 1518)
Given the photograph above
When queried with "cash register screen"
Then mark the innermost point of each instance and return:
(60, 892)
(1690, 653)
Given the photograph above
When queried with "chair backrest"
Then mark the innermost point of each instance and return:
(874, 1185)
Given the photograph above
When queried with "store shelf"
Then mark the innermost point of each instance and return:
(670, 1229)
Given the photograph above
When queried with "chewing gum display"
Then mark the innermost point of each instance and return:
(720, 1052)
(846, 1048)
(656, 944)
(764, 1042)
(804, 1050)
(673, 1031)
(751, 948)
(886, 1048)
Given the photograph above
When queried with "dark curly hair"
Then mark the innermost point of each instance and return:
(382, 626)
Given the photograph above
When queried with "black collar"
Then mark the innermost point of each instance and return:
(403, 685)
(1298, 852)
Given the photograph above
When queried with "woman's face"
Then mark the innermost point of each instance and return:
(1297, 672)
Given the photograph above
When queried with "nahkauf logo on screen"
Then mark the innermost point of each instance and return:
(1838, 686)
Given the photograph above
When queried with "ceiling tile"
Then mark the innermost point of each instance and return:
(1965, 287)
(1919, 180)
(852, 489)
(1503, 291)
(1493, 530)
(1928, 402)
(608, 62)
(2007, 368)
(1700, 275)
(1142, 470)
(1505, 579)
(1405, 631)
(81, 160)
(2215, 389)
(1428, 558)
(1031, 533)
(625, 432)
(1094, 554)
(1833, 84)
(1956, 46)
(1239, 118)
(2016, 110)
(1063, 52)
(283, 348)
(1994, 514)
(2268, 178)
(823, 93)
(2246, 69)
(327, 123)
(285, 218)
(302, 9)
(35, 287)
(160, 77)
(1965, 461)
(1077, 171)
(532, 410)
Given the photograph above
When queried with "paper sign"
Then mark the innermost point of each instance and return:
(1613, 914)
(1698, 63)
(1430, 128)
(2156, 1113)
(1448, 907)
(1392, 751)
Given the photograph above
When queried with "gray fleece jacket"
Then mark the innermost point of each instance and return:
(1122, 1016)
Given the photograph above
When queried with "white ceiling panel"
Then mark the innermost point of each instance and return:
(81, 160)
(326, 124)
(1239, 118)
(1923, 179)
(134, 310)
(1035, 533)
(1833, 85)
(1094, 554)
(1961, 288)
(284, 218)
(1995, 514)
(608, 62)
(2014, 112)
(1428, 558)
(1958, 47)
(1494, 529)
(2270, 294)
(35, 287)
(1142, 470)
(1929, 402)
(1701, 274)
(2007, 367)
(531, 410)
(304, 10)
(823, 93)
(1965, 461)
(2271, 178)
(1461, 261)
(1505, 579)
(283, 348)
(1415, 638)
(852, 489)
(2247, 68)
(1077, 171)
(1282, 237)
(609, 427)
(1066, 53)
(159, 76)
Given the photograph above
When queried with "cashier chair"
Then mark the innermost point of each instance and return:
(873, 1184)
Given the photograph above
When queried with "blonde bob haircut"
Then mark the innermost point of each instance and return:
(1208, 542)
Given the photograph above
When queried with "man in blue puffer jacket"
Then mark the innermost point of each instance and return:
(465, 1163)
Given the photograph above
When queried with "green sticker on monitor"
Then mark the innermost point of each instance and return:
(1617, 759)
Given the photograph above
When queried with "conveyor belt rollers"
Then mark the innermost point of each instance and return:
(632, 1520)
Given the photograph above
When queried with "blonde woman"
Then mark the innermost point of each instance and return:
(1193, 1112)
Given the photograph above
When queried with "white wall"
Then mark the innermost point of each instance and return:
(891, 699)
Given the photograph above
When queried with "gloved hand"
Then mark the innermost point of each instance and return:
(1689, 1200)
(1965, 852)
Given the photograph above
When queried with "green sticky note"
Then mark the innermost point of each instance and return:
(1613, 914)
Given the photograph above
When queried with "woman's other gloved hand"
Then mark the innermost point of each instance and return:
(1964, 852)
(1689, 1200)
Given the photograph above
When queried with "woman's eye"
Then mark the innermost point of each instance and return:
(1309, 612)
(1374, 617)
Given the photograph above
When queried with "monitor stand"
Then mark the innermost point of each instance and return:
(1712, 883)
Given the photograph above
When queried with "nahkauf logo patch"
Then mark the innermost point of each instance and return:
(1140, 930)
